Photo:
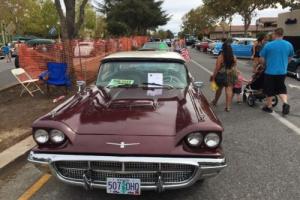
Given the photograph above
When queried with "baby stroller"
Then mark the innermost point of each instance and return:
(254, 90)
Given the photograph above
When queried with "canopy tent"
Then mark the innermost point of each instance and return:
(39, 41)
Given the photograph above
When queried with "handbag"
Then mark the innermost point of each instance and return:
(221, 78)
(213, 86)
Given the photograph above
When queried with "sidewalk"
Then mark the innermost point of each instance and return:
(16, 151)
(6, 78)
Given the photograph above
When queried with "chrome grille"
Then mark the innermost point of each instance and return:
(99, 171)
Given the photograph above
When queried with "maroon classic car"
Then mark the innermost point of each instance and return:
(145, 125)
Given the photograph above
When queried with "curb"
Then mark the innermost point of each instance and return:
(16, 151)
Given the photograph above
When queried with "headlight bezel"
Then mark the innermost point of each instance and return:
(212, 134)
(50, 141)
(36, 137)
(193, 136)
(52, 133)
(204, 145)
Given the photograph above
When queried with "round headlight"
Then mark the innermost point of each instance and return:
(212, 140)
(41, 136)
(56, 136)
(194, 139)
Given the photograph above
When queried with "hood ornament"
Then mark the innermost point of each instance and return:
(122, 145)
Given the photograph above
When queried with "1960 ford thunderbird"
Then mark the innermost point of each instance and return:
(145, 125)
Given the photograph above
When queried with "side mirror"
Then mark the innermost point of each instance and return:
(198, 85)
(81, 86)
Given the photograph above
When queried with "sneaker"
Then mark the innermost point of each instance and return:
(267, 109)
(286, 109)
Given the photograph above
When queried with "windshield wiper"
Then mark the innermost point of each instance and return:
(122, 86)
(161, 85)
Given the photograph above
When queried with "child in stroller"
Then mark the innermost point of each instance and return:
(254, 89)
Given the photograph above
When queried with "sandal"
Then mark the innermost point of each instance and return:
(227, 109)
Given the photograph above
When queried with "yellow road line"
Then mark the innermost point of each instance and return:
(35, 187)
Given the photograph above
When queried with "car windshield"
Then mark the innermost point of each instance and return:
(141, 74)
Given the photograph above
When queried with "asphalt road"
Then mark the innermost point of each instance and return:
(263, 152)
(6, 77)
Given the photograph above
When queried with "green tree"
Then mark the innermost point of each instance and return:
(170, 34)
(43, 16)
(293, 4)
(101, 27)
(89, 24)
(32, 17)
(225, 9)
(133, 16)
(198, 21)
(221, 11)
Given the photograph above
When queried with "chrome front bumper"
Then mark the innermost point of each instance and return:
(205, 167)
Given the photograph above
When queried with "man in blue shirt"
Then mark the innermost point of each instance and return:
(6, 53)
(276, 55)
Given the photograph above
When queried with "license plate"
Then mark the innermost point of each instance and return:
(123, 186)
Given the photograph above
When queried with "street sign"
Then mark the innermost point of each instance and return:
(53, 31)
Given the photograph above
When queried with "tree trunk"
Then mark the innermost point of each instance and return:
(69, 30)
(247, 22)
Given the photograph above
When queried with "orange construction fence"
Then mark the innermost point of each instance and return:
(85, 56)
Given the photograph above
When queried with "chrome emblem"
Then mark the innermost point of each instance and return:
(122, 145)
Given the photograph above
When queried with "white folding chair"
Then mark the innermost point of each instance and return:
(27, 82)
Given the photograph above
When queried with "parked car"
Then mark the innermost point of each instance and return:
(145, 125)
(84, 49)
(155, 46)
(294, 66)
(211, 46)
(203, 45)
(242, 47)
(168, 42)
(190, 40)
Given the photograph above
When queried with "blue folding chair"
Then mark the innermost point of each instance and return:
(56, 75)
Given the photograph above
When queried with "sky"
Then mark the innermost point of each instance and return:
(177, 8)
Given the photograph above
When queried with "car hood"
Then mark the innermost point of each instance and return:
(136, 111)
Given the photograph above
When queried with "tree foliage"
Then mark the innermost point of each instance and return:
(101, 27)
(88, 27)
(293, 4)
(132, 17)
(198, 21)
(162, 34)
(31, 17)
(225, 9)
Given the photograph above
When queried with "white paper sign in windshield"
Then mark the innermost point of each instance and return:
(155, 78)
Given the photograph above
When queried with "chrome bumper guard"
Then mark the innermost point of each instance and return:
(205, 167)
